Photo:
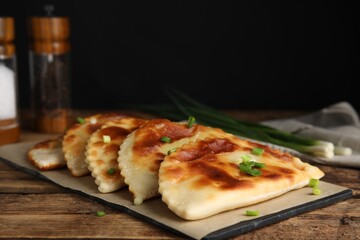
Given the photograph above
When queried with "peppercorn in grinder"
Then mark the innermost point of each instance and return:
(50, 71)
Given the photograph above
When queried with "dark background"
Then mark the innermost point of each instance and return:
(227, 54)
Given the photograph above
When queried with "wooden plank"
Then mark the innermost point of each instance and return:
(346, 177)
(13, 180)
(28, 186)
(5, 167)
(58, 213)
(68, 215)
(304, 229)
(45, 203)
(70, 226)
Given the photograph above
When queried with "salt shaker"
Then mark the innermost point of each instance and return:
(50, 72)
(9, 125)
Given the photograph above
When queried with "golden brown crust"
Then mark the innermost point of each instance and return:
(203, 158)
(76, 138)
(102, 156)
(207, 172)
(143, 151)
(47, 155)
(149, 138)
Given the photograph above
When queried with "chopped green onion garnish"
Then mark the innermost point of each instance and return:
(313, 182)
(246, 158)
(100, 213)
(254, 172)
(257, 151)
(252, 213)
(165, 139)
(191, 121)
(111, 171)
(247, 167)
(171, 151)
(259, 165)
(316, 191)
(106, 138)
(80, 120)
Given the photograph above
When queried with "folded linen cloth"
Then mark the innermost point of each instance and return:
(338, 123)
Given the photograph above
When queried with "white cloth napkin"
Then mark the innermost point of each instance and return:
(338, 123)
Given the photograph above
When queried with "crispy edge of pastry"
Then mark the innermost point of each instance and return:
(47, 145)
(78, 136)
(125, 124)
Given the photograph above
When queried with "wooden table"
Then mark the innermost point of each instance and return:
(37, 209)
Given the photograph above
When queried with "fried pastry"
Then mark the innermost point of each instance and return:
(76, 138)
(204, 178)
(102, 152)
(47, 155)
(144, 149)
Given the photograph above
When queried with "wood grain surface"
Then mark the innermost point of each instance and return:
(32, 208)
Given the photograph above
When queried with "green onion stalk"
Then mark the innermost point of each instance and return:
(186, 107)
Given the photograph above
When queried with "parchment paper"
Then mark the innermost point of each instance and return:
(155, 211)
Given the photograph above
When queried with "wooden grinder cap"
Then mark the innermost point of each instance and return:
(50, 34)
(7, 34)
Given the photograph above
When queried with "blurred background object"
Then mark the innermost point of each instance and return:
(290, 55)
(49, 68)
(9, 125)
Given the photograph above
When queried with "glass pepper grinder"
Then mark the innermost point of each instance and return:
(50, 71)
(9, 125)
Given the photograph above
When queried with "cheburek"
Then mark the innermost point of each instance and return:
(76, 138)
(143, 150)
(102, 155)
(203, 177)
(47, 155)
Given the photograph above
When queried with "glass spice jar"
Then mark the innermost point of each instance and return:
(9, 124)
(50, 72)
